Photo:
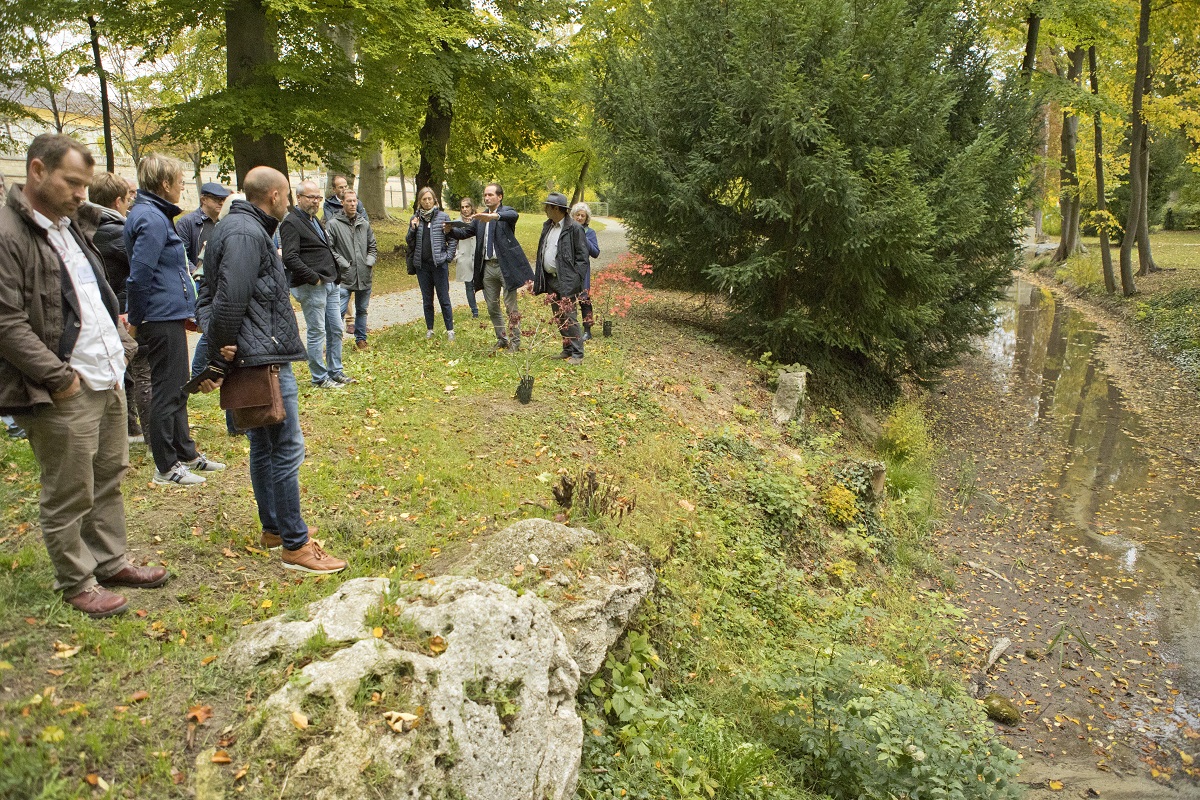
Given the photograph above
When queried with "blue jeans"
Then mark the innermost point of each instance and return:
(199, 362)
(322, 305)
(438, 279)
(276, 453)
(470, 287)
(362, 299)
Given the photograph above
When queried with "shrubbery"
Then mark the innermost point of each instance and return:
(843, 173)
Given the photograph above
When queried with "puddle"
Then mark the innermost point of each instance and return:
(1122, 499)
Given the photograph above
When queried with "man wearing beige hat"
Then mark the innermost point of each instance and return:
(562, 261)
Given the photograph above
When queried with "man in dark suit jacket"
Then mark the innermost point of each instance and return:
(312, 271)
(500, 263)
(562, 261)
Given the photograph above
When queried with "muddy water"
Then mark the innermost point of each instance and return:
(1124, 500)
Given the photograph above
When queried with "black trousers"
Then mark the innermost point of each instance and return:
(566, 317)
(167, 431)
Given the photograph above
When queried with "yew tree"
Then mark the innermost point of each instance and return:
(845, 174)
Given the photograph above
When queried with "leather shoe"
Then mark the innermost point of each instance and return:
(137, 577)
(98, 603)
(273, 541)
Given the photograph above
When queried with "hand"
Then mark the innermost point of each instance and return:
(446, 227)
(66, 394)
(528, 286)
(228, 352)
(487, 216)
(190, 325)
(131, 329)
(209, 385)
(415, 223)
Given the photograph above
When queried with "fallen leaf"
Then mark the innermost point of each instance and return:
(199, 714)
(178, 776)
(221, 757)
(138, 697)
(686, 506)
(58, 673)
(63, 650)
(53, 733)
(207, 660)
(1185, 758)
(241, 773)
(5, 665)
(266, 604)
(437, 645)
(377, 633)
(1055, 786)
(92, 778)
(299, 720)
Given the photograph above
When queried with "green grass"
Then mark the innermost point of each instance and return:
(427, 453)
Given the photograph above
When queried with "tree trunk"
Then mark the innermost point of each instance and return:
(581, 184)
(372, 182)
(1137, 144)
(403, 185)
(435, 142)
(1069, 200)
(1110, 280)
(342, 162)
(1033, 24)
(110, 159)
(251, 44)
(1146, 263)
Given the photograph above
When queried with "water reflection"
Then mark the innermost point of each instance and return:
(1117, 491)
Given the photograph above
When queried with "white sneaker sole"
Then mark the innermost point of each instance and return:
(299, 568)
(169, 482)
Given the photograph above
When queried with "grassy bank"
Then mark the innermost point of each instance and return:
(1167, 305)
(792, 648)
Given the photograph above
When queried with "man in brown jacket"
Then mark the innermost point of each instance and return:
(62, 359)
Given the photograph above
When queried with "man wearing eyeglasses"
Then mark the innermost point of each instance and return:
(308, 259)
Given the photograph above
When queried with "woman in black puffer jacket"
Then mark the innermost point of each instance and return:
(429, 256)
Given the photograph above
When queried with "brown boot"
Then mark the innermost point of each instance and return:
(312, 559)
(97, 602)
(362, 345)
(138, 577)
(273, 541)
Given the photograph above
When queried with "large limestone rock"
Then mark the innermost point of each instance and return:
(788, 403)
(591, 586)
(469, 692)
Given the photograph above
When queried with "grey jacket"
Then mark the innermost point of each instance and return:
(354, 250)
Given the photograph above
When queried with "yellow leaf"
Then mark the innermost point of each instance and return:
(53, 733)
(437, 645)
(377, 633)
(1185, 758)
(266, 603)
(1055, 786)
(5, 665)
(221, 757)
(299, 720)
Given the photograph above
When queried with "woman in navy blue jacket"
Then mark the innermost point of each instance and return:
(429, 254)
(161, 302)
(582, 213)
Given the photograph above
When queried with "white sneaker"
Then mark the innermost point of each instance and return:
(449, 336)
(202, 464)
(178, 474)
(429, 333)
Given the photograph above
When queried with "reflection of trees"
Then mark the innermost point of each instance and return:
(1034, 329)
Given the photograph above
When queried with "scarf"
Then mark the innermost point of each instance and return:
(427, 216)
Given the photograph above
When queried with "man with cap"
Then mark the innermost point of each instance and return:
(562, 261)
(195, 227)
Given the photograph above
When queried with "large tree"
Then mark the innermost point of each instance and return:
(843, 173)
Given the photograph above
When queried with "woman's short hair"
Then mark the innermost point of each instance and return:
(156, 171)
(584, 208)
(468, 201)
(225, 206)
(423, 190)
(107, 188)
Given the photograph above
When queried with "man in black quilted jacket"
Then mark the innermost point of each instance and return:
(244, 308)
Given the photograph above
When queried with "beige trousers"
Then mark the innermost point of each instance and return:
(81, 446)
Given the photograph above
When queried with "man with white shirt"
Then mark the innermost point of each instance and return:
(63, 354)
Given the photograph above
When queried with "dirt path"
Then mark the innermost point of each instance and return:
(1070, 482)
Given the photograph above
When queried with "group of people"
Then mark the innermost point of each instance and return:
(97, 299)
(488, 257)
